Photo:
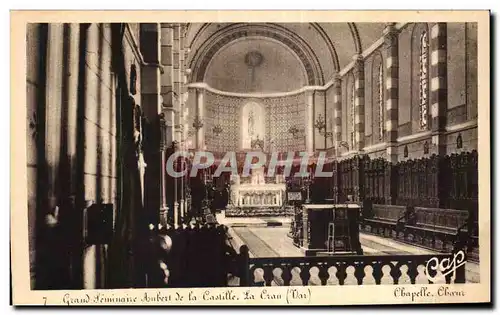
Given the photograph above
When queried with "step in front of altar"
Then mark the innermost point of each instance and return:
(258, 211)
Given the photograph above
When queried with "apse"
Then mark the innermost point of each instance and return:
(255, 65)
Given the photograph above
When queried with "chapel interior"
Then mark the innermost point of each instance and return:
(392, 106)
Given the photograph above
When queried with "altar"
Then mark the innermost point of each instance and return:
(257, 192)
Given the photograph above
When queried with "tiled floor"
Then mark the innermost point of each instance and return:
(267, 241)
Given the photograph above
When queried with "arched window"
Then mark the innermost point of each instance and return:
(423, 82)
(381, 123)
(353, 114)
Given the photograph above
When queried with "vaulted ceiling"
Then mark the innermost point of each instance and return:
(274, 57)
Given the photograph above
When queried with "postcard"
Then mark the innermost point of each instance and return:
(245, 158)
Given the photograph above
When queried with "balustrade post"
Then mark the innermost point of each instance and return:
(460, 271)
(335, 182)
(243, 267)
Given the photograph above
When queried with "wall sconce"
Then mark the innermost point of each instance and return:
(294, 131)
(320, 124)
(217, 129)
(198, 123)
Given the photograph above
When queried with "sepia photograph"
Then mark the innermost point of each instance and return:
(217, 160)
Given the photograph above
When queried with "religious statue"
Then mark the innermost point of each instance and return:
(250, 124)
(258, 176)
(253, 126)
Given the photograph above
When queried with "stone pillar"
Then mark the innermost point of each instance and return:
(391, 48)
(177, 81)
(152, 108)
(163, 183)
(72, 32)
(439, 93)
(182, 114)
(200, 114)
(359, 103)
(168, 108)
(178, 116)
(310, 122)
(337, 114)
(54, 84)
(89, 256)
(167, 92)
(176, 214)
(391, 91)
(181, 208)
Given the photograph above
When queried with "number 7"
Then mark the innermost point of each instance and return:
(45, 301)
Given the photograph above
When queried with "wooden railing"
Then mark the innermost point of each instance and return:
(199, 256)
(343, 270)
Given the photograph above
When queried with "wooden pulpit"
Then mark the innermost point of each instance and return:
(331, 229)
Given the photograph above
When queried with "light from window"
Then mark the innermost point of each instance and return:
(423, 83)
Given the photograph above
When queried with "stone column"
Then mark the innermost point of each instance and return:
(391, 48)
(439, 89)
(359, 103)
(310, 122)
(90, 278)
(391, 91)
(72, 60)
(182, 122)
(167, 91)
(337, 107)
(177, 81)
(200, 114)
(163, 183)
(54, 84)
(176, 214)
(168, 109)
(152, 107)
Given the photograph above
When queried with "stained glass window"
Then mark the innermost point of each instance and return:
(381, 128)
(424, 82)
